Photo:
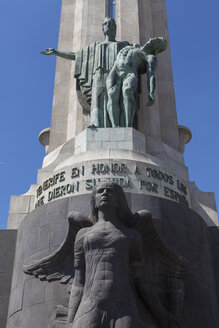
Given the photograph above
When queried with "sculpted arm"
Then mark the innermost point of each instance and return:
(65, 55)
(152, 48)
(79, 279)
(75, 296)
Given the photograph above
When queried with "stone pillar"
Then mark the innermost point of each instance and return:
(80, 25)
(63, 78)
(88, 19)
(165, 86)
(149, 117)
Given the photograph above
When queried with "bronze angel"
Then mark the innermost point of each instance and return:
(116, 257)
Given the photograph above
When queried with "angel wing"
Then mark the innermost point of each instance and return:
(60, 264)
(159, 259)
(160, 262)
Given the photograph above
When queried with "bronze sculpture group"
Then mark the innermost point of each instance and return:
(107, 75)
(115, 256)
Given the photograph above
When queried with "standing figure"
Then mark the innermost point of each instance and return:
(111, 284)
(108, 256)
(92, 66)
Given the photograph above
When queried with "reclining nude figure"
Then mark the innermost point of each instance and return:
(111, 283)
(122, 81)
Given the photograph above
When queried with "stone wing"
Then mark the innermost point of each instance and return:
(164, 269)
(159, 259)
(60, 264)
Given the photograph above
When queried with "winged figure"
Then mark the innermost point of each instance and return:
(112, 259)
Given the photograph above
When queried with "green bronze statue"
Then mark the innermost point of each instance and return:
(152, 48)
(107, 76)
(122, 81)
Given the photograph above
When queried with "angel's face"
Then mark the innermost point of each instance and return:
(106, 196)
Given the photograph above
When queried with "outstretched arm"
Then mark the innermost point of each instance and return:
(65, 55)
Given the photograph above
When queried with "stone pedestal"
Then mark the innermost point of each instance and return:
(110, 138)
(35, 303)
(118, 154)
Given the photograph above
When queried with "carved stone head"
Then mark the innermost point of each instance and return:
(114, 196)
(109, 27)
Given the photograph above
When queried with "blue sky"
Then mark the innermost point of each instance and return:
(27, 80)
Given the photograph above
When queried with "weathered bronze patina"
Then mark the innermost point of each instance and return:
(107, 75)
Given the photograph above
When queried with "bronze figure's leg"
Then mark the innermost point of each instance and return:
(113, 85)
(128, 91)
(151, 79)
(97, 110)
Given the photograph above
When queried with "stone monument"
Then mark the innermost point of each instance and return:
(145, 253)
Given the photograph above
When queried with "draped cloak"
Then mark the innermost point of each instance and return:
(97, 56)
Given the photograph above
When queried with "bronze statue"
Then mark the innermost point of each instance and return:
(112, 104)
(122, 81)
(115, 256)
(92, 66)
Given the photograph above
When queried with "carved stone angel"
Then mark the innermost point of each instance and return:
(116, 254)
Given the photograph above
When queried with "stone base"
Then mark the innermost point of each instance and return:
(110, 138)
(7, 251)
(33, 303)
(118, 154)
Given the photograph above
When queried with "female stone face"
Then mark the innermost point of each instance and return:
(106, 196)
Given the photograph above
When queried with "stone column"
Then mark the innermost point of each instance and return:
(80, 25)
(63, 78)
(165, 86)
(149, 117)
(89, 15)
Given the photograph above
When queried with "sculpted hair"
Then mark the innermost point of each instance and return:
(123, 211)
